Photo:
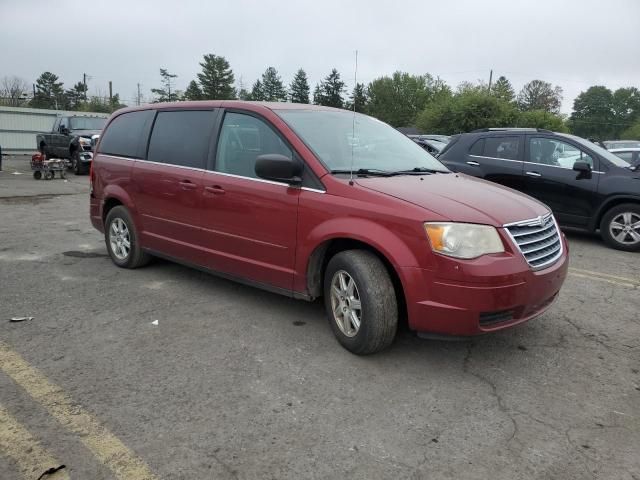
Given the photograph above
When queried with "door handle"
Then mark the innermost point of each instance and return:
(533, 174)
(188, 185)
(216, 190)
(475, 164)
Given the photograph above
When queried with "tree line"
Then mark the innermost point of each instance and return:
(49, 93)
(401, 99)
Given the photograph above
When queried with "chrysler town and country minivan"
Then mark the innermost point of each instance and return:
(312, 202)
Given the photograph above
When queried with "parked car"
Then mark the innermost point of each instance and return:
(611, 144)
(586, 186)
(629, 155)
(311, 202)
(70, 138)
(434, 147)
(432, 136)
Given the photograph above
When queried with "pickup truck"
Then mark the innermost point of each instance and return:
(71, 137)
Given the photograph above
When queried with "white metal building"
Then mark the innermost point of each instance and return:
(19, 126)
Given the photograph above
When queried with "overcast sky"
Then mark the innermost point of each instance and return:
(571, 43)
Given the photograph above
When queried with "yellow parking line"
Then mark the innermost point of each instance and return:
(107, 448)
(604, 277)
(601, 279)
(31, 458)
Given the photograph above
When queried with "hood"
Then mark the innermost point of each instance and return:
(459, 198)
(85, 133)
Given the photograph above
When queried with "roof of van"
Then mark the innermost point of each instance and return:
(232, 103)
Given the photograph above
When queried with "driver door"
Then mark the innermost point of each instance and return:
(549, 176)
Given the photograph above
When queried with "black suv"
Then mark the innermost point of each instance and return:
(586, 186)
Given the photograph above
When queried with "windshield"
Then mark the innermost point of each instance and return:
(374, 146)
(617, 161)
(87, 123)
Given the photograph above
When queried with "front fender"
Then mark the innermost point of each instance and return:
(367, 231)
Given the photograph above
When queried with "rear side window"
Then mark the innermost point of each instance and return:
(127, 134)
(502, 147)
(181, 138)
(477, 148)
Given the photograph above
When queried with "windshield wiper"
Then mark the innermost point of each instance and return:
(368, 171)
(422, 170)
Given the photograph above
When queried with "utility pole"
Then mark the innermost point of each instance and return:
(138, 97)
(110, 93)
(490, 78)
(84, 82)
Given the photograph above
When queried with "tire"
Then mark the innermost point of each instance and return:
(116, 246)
(48, 176)
(37, 174)
(620, 227)
(378, 313)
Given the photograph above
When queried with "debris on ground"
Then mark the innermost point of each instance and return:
(51, 471)
(20, 319)
(155, 322)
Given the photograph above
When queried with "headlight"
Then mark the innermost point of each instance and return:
(463, 240)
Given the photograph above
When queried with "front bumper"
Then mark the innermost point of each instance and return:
(504, 292)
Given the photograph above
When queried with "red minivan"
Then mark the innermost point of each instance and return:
(311, 202)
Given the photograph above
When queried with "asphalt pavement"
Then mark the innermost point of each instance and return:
(168, 373)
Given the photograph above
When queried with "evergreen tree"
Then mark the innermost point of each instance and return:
(216, 79)
(165, 94)
(76, 95)
(318, 98)
(257, 92)
(330, 91)
(272, 88)
(49, 92)
(358, 99)
(503, 89)
(193, 91)
(299, 89)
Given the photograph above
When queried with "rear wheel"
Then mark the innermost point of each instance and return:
(37, 174)
(121, 238)
(360, 301)
(620, 227)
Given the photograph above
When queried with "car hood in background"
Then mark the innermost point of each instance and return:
(85, 133)
(459, 197)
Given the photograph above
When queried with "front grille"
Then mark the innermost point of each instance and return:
(538, 240)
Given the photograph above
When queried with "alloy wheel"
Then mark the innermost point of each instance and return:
(345, 303)
(625, 228)
(119, 239)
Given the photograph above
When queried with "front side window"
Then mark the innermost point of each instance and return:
(556, 153)
(477, 148)
(242, 139)
(502, 147)
(181, 138)
(127, 134)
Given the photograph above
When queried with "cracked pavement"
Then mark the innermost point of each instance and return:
(238, 383)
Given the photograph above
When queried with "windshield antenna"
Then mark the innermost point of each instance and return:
(353, 127)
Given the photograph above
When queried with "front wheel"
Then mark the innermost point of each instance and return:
(620, 227)
(360, 301)
(121, 238)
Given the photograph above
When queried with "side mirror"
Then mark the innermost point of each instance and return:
(582, 167)
(279, 168)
